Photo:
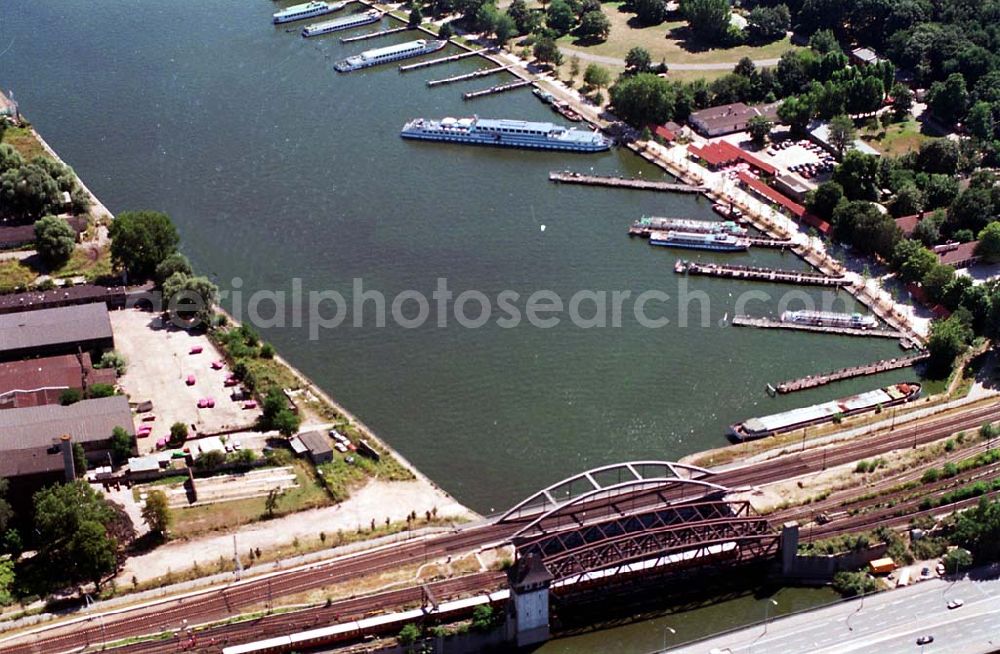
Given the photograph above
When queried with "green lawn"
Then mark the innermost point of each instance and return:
(669, 41)
(90, 261)
(15, 275)
(896, 139)
(24, 141)
(309, 494)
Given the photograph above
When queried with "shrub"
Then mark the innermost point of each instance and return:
(70, 396)
(931, 475)
(114, 360)
(100, 390)
(266, 351)
(408, 634)
(178, 433)
(851, 584)
(210, 460)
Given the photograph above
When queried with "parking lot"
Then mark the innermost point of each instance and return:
(803, 157)
(166, 367)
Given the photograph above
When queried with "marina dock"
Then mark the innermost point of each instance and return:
(372, 35)
(812, 381)
(568, 177)
(441, 60)
(776, 243)
(769, 323)
(754, 273)
(473, 75)
(502, 88)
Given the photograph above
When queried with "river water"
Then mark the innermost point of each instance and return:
(277, 169)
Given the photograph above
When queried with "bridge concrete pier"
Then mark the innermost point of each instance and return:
(789, 546)
(528, 622)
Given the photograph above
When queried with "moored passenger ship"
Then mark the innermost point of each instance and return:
(648, 224)
(699, 241)
(506, 133)
(390, 53)
(830, 319)
(786, 421)
(307, 10)
(345, 23)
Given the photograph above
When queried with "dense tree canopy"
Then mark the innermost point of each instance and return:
(140, 240)
(643, 99)
(54, 240)
(708, 19)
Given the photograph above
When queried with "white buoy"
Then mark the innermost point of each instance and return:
(543, 228)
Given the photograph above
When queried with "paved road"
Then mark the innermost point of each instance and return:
(612, 61)
(886, 623)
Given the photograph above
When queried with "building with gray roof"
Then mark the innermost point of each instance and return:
(51, 332)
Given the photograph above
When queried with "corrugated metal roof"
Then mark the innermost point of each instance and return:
(317, 442)
(31, 329)
(41, 426)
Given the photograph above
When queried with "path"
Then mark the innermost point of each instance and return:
(613, 61)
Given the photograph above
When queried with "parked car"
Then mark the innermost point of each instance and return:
(925, 640)
(217, 365)
(190, 380)
(230, 381)
(926, 572)
(956, 604)
(251, 404)
(237, 445)
(197, 349)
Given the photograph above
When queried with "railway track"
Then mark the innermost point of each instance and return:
(216, 604)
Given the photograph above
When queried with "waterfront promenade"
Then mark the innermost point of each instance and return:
(886, 622)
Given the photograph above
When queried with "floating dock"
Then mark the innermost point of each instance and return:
(442, 60)
(473, 75)
(568, 177)
(502, 88)
(776, 243)
(754, 273)
(812, 381)
(373, 35)
(769, 323)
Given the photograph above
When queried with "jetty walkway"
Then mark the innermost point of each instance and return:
(776, 243)
(569, 177)
(755, 273)
(768, 323)
(812, 381)
(473, 75)
(502, 88)
(442, 60)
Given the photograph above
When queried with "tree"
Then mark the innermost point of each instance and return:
(6, 580)
(518, 10)
(79, 460)
(948, 339)
(852, 584)
(416, 16)
(940, 191)
(936, 281)
(650, 12)
(156, 512)
(825, 199)
(178, 433)
(504, 29)
(444, 33)
(409, 634)
(824, 41)
(100, 390)
(70, 396)
(287, 423)
(113, 359)
(596, 76)
(862, 225)
(949, 100)
(766, 24)
(594, 25)
(928, 230)
(271, 503)
(210, 460)
(759, 128)
(28, 192)
(547, 52)
(972, 209)
(908, 201)
(54, 240)
(957, 559)
(72, 523)
(485, 18)
(857, 174)
(121, 445)
(190, 298)
(638, 60)
(6, 511)
(902, 101)
(989, 243)
(913, 261)
(483, 618)
(938, 156)
(175, 263)
(140, 240)
(560, 17)
(707, 19)
(980, 121)
(643, 99)
(10, 158)
(796, 112)
(842, 133)
(978, 530)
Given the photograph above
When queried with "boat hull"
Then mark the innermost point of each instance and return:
(713, 247)
(346, 66)
(280, 20)
(321, 29)
(506, 142)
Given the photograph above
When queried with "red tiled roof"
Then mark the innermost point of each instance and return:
(907, 224)
(723, 153)
(760, 187)
(41, 381)
(964, 253)
(665, 133)
(821, 225)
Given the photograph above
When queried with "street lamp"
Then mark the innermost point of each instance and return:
(858, 610)
(673, 632)
(767, 608)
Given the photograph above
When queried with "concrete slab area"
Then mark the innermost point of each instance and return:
(160, 361)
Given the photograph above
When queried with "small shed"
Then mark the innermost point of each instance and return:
(318, 446)
(141, 468)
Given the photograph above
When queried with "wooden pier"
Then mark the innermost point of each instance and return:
(776, 243)
(473, 75)
(768, 323)
(568, 177)
(812, 381)
(502, 88)
(441, 60)
(373, 35)
(753, 273)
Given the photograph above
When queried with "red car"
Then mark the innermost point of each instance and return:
(230, 381)
(251, 404)
(216, 365)
(190, 380)
(197, 349)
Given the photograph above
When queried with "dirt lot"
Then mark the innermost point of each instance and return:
(159, 362)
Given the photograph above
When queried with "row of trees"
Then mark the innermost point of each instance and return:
(32, 189)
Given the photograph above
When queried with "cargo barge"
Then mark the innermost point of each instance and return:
(787, 421)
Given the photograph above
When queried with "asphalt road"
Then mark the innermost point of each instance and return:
(887, 623)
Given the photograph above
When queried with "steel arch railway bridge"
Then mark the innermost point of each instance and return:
(634, 516)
